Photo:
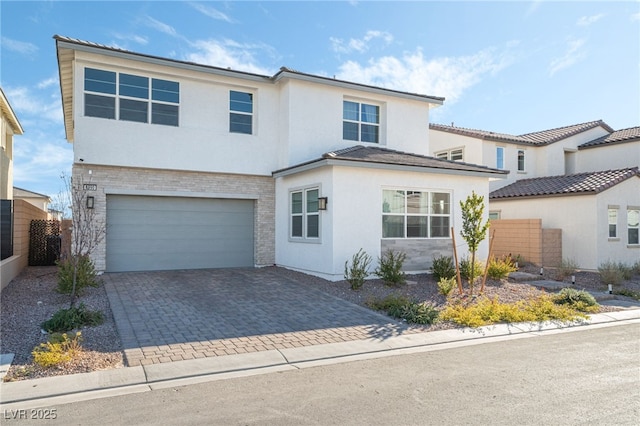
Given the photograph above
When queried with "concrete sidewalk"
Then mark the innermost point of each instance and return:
(78, 387)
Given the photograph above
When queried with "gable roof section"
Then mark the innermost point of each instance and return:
(66, 47)
(375, 157)
(619, 136)
(544, 137)
(11, 117)
(577, 184)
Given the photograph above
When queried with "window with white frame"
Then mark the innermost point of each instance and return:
(240, 112)
(305, 214)
(613, 222)
(456, 154)
(521, 163)
(415, 214)
(361, 122)
(128, 97)
(500, 157)
(633, 226)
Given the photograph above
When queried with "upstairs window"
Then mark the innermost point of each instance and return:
(452, 154)
(241, 112)
(415, 214)
(361, 122)
(613, 223)
(633, 226)
(521, 160)
(500, 157)
(305, 214)
(131, 97)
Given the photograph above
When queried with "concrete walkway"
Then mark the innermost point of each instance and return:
(23, 395)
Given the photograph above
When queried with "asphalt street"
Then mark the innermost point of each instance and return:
(591, 376)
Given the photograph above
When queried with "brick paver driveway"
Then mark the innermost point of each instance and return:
(175, 315)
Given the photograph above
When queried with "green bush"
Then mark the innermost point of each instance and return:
(446, 285)
(59, 349)
(69, 319)
(627, 271)
(611, 272)
(576, 299)
(443, 267)
(628, 293)
(465, 269)
(636, 267)
(500, 268)
(567, 268)
(401, 307)
(358, 271)
(86, 275)
(390, 268)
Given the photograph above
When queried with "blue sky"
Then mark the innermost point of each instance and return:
(511, 67)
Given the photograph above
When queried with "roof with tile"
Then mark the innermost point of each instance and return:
(576, 184)
(543, 137)
(619, 136)
(383, 156)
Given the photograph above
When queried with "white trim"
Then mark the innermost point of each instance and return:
(185, 194)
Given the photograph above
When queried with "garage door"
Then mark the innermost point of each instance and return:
(163, 233)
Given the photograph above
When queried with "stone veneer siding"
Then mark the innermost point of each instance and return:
(139, 181)
(420, 252)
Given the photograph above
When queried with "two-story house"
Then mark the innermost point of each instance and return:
(195, 166)
(582, 179)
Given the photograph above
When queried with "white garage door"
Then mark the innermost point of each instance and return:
(163, 233)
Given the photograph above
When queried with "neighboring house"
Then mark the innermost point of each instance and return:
(38, 200)
(581, 179)
(9, 126)
(195, 166)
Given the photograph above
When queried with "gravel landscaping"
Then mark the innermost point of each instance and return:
(31, 299)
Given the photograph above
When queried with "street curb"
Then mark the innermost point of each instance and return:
(72, 388)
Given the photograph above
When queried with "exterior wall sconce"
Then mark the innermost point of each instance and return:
(322, 203)
(90, 202)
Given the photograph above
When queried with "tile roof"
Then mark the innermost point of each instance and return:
(376, 155)
(580, 183)
(619, 136)
(543, 137)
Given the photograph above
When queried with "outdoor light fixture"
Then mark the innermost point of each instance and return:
(90, 202)
(322, 203)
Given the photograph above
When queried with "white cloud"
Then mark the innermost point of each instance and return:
(362, 44)
(573, 54)
(160, 26)
(35, 106)
(585, 21)
(635, 17)
(23, 47)
(132, 37)
(211, 12)
(48, 82)
(447, 76)
(230, 54)
(39, 160)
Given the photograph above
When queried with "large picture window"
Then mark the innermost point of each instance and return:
(415, 214)
(133, 97)
(361, 122)
(241, 112)
(305, 214)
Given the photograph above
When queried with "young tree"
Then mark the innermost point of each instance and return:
(473, 230)
(87, 228)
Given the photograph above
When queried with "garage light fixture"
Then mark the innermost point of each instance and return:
(322, 203)
(90, 202)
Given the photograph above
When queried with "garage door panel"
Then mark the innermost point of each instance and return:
(160, 233)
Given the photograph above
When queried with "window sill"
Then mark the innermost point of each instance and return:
(614, 239)
(305, 240)
(633, 246)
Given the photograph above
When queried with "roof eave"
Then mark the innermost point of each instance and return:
(12, 118)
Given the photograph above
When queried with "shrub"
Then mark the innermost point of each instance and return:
(59, 349)
(628, 293)
(390, 267)
(500, 268)
(576, 299)
(636, 267)
(445, 285)
(627, 271)
(443, 267)
(403, 308)
(490, 311)
(465, 269)
(86, 275)
(75, 317)
(567, 267)
(611, 273)
(358, 271)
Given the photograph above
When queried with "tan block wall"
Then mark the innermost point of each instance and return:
(23, 214)
(527, 238)
(182, 183)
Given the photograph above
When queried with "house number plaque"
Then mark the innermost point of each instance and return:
(90, 187)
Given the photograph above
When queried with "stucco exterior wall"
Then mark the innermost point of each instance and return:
(170, 183)
(609, 157)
